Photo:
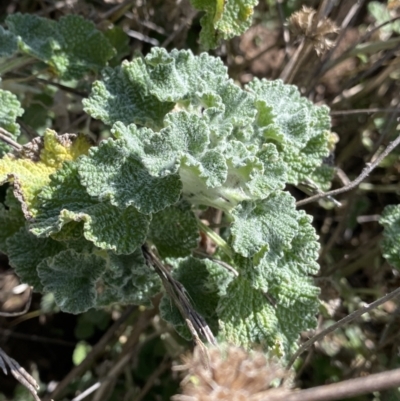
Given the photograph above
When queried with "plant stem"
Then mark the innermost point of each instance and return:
(216, 238)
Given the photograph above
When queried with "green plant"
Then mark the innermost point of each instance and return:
(184, 138)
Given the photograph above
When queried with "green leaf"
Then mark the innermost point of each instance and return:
(65, 200)
(248, 317)
(265, 225)
(9, 43)
(25, 252)
(174, 231)
(126, 181)
(10, 109)
(127, 280)
(72, 277)
(390, 220)
(123, 95)
(205, 282)
(298, 127)
(11, 219)
(72, 46)
(223, 19)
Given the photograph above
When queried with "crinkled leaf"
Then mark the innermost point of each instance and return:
(174, 231)
(126, 181)
(248, 317)
(123, 95)
(223, 19)
(25, 252)
(72, 46)
(72, 277)
(390, 219)
(205, 282)
(10, 109)
(268, 224)
(9, 43)
(29, 171)
(300, 128)
(65, 200)
(127, 280)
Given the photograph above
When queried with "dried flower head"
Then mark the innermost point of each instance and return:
(304, 23)
(230, 373)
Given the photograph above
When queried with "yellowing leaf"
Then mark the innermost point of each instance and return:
(30, 170)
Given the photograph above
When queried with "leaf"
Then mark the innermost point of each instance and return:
(299, 127)
(205, 282)
(127, 280)
(10, 109)
(126, 181)
(223, 19)
(268, 224)
(390, 220)
(25, 252)
(174, 231)
(9, 43)
(123, 95)
(248, 318)
(72, 46)
(30, 170)
(65, 200)
(72, 277)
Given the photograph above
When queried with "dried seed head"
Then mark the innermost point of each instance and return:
(304, 23)
(230, 373)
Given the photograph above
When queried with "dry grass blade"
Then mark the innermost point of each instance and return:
(177, 292)
(19, 373)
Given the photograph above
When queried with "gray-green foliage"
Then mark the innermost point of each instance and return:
(185, 137)
(390, 220)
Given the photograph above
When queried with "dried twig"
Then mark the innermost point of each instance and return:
(92, 355)
(19, 373)
(364, 174)
(346, 388)
(349, 318)
(177, 292)
(6, 137)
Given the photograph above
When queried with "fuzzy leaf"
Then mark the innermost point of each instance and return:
(65, 200)
(223, 19)
(10, 109)
(30, 170)
(288, 119)
(174, 231)
(25, 252)
(268, 224)
(247, 317)
(390, 219)
(127, 280)
(9, 43)
(72, 276)
(71, 46)
(126, 181)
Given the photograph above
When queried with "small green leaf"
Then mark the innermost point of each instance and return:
(223, 19)
(80, 352)
(72, 46)
(390, 220)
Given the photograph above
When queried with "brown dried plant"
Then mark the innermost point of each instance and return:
(305, 23)
(229, 373)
